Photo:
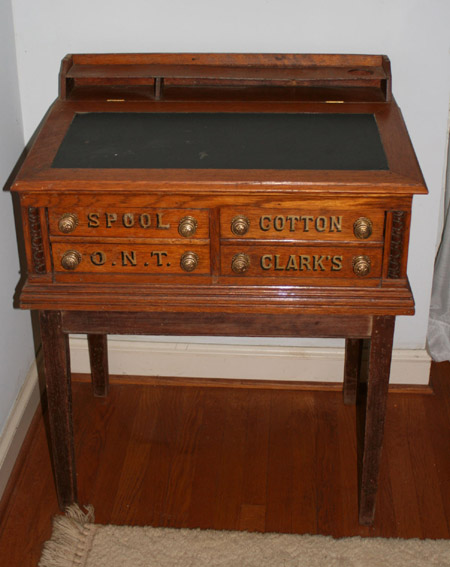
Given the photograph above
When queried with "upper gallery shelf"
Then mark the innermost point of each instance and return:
(204, 76)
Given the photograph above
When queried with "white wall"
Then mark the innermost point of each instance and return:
(16, 346)
(414, 33)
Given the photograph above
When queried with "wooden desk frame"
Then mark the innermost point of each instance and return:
(56, 326)
(354, 290)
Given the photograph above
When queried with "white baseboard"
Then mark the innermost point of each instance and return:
(17, 425)
(145, 358)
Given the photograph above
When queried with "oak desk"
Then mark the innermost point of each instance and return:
(243, 195)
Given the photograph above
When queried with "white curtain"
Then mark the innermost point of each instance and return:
(439, 324)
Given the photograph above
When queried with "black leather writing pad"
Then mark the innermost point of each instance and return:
(222, 141)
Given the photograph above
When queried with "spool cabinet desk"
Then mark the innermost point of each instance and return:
(206, 194)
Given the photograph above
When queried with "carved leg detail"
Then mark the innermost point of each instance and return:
(377, 389)
(98, 356)
(55, 348)
(352, 369)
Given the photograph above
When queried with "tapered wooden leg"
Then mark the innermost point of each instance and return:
(55, 349)
(380, 355)
(352, 368)
(98, 356)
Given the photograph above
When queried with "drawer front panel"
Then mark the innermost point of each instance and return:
(131, 258)
(133, 223)
(312, 223)
(298, 262)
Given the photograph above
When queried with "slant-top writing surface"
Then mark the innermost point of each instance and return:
(222, 140)
(248, 195)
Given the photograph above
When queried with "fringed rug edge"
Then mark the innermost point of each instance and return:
(71, 539)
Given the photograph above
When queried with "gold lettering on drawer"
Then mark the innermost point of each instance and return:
(159, 255)
(301, 223)
(128, 220)
(93, 220)
(130, 258)
(301, 262)
(98, 258)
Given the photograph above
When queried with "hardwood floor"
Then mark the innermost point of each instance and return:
(175, 453)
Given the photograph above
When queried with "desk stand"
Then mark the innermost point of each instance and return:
(56, 326)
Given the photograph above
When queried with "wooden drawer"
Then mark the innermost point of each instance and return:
(131, 222)
(130, 258)
(309, 222)
(274, 258)
(301, 262)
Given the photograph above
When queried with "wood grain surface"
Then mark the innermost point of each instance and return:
(108, 251)
(216, 457)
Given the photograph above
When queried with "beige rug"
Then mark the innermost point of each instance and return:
(77, 542)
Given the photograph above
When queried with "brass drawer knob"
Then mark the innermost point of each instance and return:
(240, 263)
(70, 259)
(240, 225)
(361, 265)
(187, 226)
(68, 222)
(189, 261)
(362, 228)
